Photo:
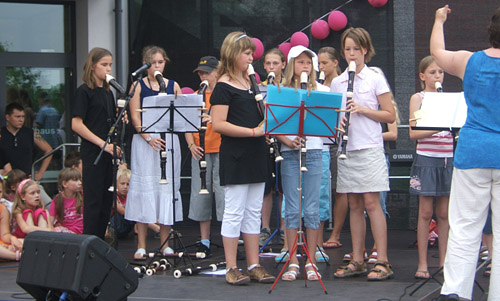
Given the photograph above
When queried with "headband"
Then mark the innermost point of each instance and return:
(20, 187)
(240, 37)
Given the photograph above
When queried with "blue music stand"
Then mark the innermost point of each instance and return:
(302, 113)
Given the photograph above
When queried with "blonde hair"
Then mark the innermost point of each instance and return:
(149, 51)
(66, 175)
(291, 80)
(94, 56)
(123, 172)
(19, 204)
(234, 44)
(422, 66)
(361, 38)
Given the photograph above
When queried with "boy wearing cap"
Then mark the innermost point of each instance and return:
(200, 205)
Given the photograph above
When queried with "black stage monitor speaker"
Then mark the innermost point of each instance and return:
(82, 266)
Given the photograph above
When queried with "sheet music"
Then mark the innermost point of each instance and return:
(442, 110)
(283, 112)
(156, 114)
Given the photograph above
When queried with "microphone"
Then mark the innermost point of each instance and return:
(203, 87)
(253, 82)
(303, 80)
(161, 82)
(438, 86)
(141, 69)
(270, 78)
(321, 78)
(112, 82)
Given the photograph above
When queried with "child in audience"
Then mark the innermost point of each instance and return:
(8, 204)
(10, 246)
(66, 211)
(28, 211)
(73, 160)
(12, 180)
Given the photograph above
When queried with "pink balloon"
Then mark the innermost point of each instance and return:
(187, 90)
(337, 20)
(377, 3)
(257, 77)
(285, 48)
(320, 29)
(299, 38)
(259, 49)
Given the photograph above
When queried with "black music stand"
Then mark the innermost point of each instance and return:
(172, 114)
(301, 113)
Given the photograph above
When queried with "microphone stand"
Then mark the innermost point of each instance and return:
(113, 132)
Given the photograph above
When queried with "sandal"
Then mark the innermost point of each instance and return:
(321, 256)
(373, 257)
(381, 274)
(422, 275)
(349, 257)
(312, 272)
(331, 244)
(140, 254)
(359, 269)
(291, 275)
(168, 251)
(282, 257)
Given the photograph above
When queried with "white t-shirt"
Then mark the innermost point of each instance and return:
(363, 132)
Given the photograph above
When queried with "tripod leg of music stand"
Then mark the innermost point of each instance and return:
(306, 250)
(294, 248)
(427, 280)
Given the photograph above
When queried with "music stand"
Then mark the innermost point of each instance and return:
(302, 113)
(445, 111)
(172, 114)
(441, 111)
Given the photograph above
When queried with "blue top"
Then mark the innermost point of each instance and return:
(146, 91)
(479, 139)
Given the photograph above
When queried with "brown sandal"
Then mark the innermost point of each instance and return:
(381, 274)
(359, 269)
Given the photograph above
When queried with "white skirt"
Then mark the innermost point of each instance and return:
(148, 201)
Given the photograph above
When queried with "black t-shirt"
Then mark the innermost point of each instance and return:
(97, 109)
(17, 150)
(242, 160)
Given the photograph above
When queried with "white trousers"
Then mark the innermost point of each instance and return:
(242, 209)
(472, 191)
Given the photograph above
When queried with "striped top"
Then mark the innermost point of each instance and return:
(439, 145)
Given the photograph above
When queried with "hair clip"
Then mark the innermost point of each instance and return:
(240, 37)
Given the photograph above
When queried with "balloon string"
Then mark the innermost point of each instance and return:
(337, 8)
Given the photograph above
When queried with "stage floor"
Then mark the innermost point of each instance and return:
(163, 286)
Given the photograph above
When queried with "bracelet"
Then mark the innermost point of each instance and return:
(149, 139)
(253, 132)
(190, 144)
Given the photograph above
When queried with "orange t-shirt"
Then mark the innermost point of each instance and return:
(212, 139)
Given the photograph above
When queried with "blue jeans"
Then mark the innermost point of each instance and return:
(311, 185)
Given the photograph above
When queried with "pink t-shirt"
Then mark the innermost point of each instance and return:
(72, 220)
